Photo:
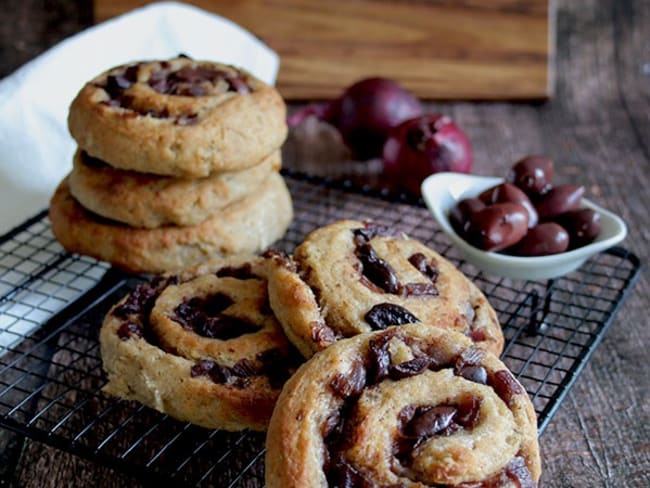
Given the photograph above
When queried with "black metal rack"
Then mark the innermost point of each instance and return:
(52, 304)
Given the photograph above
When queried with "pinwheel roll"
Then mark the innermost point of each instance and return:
(178, 117)
(245, 226)
(411, 406)
(202, 346)
(151, 201)
(353, 277)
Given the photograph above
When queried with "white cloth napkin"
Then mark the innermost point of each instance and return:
(35, 146)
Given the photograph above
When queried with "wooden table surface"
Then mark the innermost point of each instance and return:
(596, 128)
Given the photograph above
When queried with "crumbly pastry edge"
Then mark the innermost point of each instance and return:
(268, 214)
(152, 201)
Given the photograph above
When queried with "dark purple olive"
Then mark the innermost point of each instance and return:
(583, 226)
(532, 174)
(498, 226)
(545, 239)
(507, 192)
(558, 200)
(459, 214)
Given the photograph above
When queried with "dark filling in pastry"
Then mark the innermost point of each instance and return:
(419, 423)
(429, 270)
(191, 81)
(376, 270)
(282, 258)
(416, 422)
(127, 102)
(243, 272)
(116, 84)
(129, 329)
(380, 276)
(194, 81)
(505, 386)
(273, 363)
(204, 316)
(322, 334)
(382, 315)
(477, 335)
(142, 298)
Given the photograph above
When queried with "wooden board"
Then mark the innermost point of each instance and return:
(439, 49)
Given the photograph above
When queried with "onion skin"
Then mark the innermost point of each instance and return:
(325, 111)
(368, 110)
(364, 114)
(424, 145)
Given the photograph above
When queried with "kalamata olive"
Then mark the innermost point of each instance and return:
(558, 200)
(459, 214)
(547, 238)
(583, 226)
(498, 226)
(533, 174)
(507, 192)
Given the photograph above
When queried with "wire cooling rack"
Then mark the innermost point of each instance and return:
(52, 304)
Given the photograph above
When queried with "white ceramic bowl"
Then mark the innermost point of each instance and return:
(442, 191)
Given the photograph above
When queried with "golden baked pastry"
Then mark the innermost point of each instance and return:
(352, 277)
(411, 406)
(202, 346)
(178, 117)
(150, 201)
(246, 226)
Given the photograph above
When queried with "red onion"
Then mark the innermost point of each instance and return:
(325, 111)
(365, 113)
(424, 145)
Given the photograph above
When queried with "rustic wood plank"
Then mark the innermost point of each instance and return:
(496, 49)
(29, 27)
(600, 436)
(47, 467)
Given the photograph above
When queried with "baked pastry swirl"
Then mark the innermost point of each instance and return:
(353, 277)
(202, 346)
(178, 117)
(150, 201)
(246, 226)
(411, 406)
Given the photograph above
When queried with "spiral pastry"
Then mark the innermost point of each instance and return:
(201, 346)
(246, 226)
(178, 117)
(354, 277)
(411, 406)
(151, 201)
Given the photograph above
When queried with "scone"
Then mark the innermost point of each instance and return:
(179, 117)
(202, 346)
(411, 406)
(150, 201)
(246, 226)
(353, 277)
